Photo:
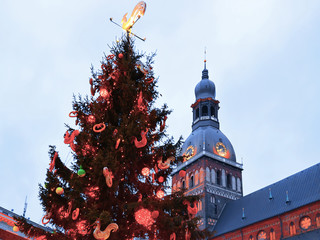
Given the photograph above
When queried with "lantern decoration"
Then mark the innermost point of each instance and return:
(108, 175)
(160, 194)
(145, 171)
(99, 127)
(75, 214)
(53, 161)
(173, 236)
(15, 228)
(144, 217)
(59, 190)
(98, 234)
(143, 142)
(163, 124)
(166, 164)
(46, 218)
(81, 172)
(104, 93)
(182, 173)
(73, 114)
(160, 179)
(191, 211)
(91, 119)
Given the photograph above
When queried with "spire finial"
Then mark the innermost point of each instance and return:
(205, 74)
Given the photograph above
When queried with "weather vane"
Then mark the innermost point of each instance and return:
(136, 14)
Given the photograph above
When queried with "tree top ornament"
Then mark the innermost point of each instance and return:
(136, 14)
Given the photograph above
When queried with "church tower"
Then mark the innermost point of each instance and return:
(210, 165)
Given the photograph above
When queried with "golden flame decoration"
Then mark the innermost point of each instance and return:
(136, 14)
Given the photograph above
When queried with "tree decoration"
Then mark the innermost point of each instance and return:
(68, 138)
(117, 143)
(160, 194)
(166, 164)
(140, 104)
(182, 173)
(108, 176)
(104, 93)
(145, 171)
(81, 172)
(99, 127)
(15, 228)
(173, 236)
(91, 119)
(73, 114)
(98, 234)
(75, 214)
(53, 162)
(59, 190)
(155, 214)
(191, 210)
(46, 218)
(82, 227)
(144, 217)
(120, 55)
(163, 124)
(136, 14)
(143, 141)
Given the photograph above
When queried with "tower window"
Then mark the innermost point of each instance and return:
(223, 178)
(251, 237)
(213, 176)
(183, 184)
(207, 174)
(234, 183)
(212, 111)
(205, 110)
(238, 185)
(229, 181)
(272, 234)
(292, 229)
(191, 182)
(218, 181)
(197, 113)
(318, 220)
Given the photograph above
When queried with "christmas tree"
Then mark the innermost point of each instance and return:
(122, 160)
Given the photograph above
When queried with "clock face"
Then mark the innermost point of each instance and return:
(221, 149)
(189, 153)
(262, 235)
(305, 222)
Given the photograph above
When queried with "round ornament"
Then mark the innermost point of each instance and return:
(160, 179)
(75, 213)
(104, 93)
(59, 190)
(160, 194)
(155, 214)
(144, 217)
(15, 228)
(145, 171)
(81, 172)
(120, 55)
(91, 119)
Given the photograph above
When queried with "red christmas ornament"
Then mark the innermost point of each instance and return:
(59, 190)
(144, 217)
(182, 173)
(173, 236)
(145, 171)
(143, 142)
(120, 55)
(108, 176)
(82, 227)
(104, 93)
(75, 214)
(117, 143)
(163, 124)
(91, 119)
(53, 161)
(99, 127)
(46, 218)
(115, 132)
(73, 114)
(191, 210)
(160, 194)
(155, 214)
(160, 179)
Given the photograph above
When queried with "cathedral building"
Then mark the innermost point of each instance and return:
(288, 209)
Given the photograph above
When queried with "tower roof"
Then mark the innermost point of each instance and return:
(205, 88)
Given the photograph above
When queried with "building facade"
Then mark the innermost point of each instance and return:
(288, 209)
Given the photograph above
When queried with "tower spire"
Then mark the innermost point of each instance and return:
(205, 73)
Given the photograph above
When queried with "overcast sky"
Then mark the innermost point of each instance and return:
(264, 57)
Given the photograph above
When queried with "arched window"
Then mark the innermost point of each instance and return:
(197, 113)
(183, 184)
(234, 183)
(250, 238)
(213, 176)
(201, 176)
(191, 182)
(238, 185)
(187, 180)
(229, 181)
(218, 177)
(223, 178)
(262, 235)
(207, 174)
(178, 186)
(292, 229)
(196, 178)
(212, 111)
(272, 234)
(204, 111)
(318, 220)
